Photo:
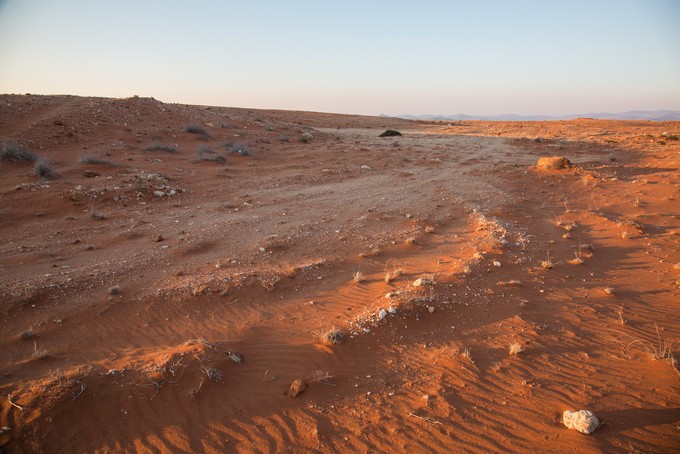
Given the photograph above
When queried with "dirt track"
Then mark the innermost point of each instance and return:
(138, 298)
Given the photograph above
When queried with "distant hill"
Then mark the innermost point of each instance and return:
(653, 115)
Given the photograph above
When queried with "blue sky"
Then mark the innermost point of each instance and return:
(368, 57)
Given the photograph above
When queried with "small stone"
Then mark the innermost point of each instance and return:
(430, 309)
(158, 238)
(90, 173)
(296, 388)
(389, 295)
(392, 310)
(421, 282)
(584, 421)
(497, 263)
(159, 193)
(382, 314)
(366, 167)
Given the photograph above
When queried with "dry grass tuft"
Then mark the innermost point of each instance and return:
(214, 374)
(331, 336)
(27, 333)
(515, 348)
(39, 354)
(358, 277)
(392, 275)
(547, 264)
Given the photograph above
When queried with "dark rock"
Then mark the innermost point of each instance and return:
(390, 133)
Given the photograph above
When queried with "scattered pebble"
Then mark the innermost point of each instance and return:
(296, 388)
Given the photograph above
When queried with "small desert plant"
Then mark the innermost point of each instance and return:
(214, 374)
(39, 354)
(13, 152)
(392, 275)
(93, 159)
(27, 333)
(97, 215)
(547, 264)
(160, 146)
(198, 130)
(240, 149)
(358, 277)
(577, 260)
(515, 348)
(331, 336)
(44, 169)
(205, 153)
(306, 138)
(323, 377)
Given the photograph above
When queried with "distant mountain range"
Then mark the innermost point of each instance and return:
(652, 115)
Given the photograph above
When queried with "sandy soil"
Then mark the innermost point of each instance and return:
(155, 302)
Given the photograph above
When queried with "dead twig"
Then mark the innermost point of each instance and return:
(9, 398)
(426, 419)
(83, 386)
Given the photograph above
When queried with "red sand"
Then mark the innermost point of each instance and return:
(139, 300)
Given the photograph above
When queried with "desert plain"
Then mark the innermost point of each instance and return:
(168, 271)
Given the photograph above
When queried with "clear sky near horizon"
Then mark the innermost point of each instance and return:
(365, 57)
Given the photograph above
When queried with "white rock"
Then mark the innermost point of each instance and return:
(496, 263)
(382, 314)
(159, 193)
(584, 421)
(366, 167)
(430, 309)
(420, 282)
(392, 310)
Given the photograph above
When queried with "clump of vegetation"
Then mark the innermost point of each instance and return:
(44, 169)
(39, 354)
(240, 149)
(214, 374)
(93, 159)
(27, 333)
(332, 336)
(306, 138)
(205, 153)
(515, 348)
(198, 130)
(97, 215)
(358, 277)
(160, 146)
(13, 152)
(547, 264)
